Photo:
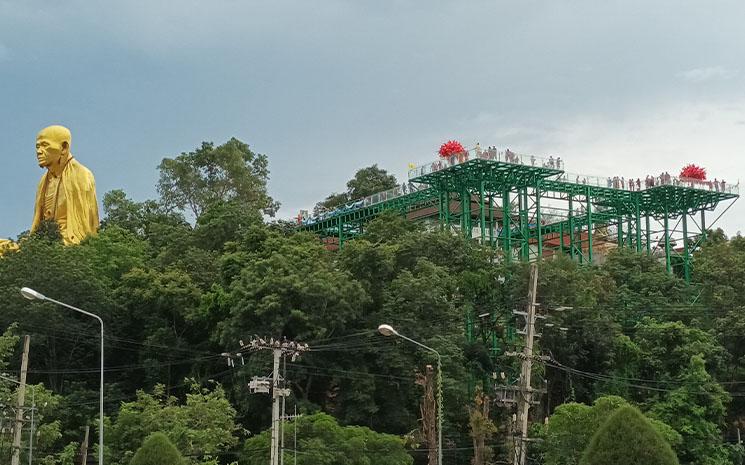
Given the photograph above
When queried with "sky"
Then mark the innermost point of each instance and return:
(326, 87)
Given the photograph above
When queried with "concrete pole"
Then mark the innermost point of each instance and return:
(16, 457)
(520, 456)
(276, 394)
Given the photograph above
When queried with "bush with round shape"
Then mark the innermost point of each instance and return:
(628, 438)
(157, 449)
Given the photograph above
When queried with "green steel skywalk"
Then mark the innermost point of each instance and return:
(531, 208)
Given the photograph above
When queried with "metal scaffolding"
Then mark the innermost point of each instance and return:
(531, 209)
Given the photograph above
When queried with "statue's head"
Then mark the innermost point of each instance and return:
(53, 145)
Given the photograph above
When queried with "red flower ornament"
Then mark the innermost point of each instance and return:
(451, 147)
(692, 171)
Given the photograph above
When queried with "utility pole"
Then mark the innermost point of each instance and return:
(275, 408)
(31, 434)
(16, 457)
(283, 413)
(280, 349)
(526, 391)
(84, 447)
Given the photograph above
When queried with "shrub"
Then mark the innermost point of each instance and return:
(628, 438)
(157, 449)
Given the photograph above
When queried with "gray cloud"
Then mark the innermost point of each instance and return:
(324, 88)
(706, 74)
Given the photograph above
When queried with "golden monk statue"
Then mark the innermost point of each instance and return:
(6, 245)
(67, 191)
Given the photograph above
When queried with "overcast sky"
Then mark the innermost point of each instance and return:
(326, 87)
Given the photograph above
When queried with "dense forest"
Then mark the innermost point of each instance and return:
(182, 279)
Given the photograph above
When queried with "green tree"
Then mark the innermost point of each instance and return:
(572, 426)
(61, 338)
(145, 219)
(322, 441)
(201, 427)
(228, 172)
(288, 286)
(627, 437)
(47, 414)
(660, 351)
(642, 286)
(696, 410)
(157, 449)
(366, 181)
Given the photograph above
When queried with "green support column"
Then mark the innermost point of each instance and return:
(589, 224)
(462, 213)
(466, 213)
(495, 351)
(638, 226)
(491, 220)
(561, 237)
(440, 210)
(506, 226)
(619, 232)
(668, 264)
(469, 324)
(447, 210)
(482, 213)
(649, 236)
(686, 256)
(522, 202)
(703, 226)
(629, 235)
(341, 233)
(470, 337)
(571, 228)
(538, 226)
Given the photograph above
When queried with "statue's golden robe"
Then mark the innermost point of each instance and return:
(81, 204)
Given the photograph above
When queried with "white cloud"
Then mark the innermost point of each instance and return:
(706, 74)
(657, 139)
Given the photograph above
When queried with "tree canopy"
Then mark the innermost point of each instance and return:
(322, 441)
(625, 438)
(229, 172)
(178, 296)
(157, 449)
(366, 181)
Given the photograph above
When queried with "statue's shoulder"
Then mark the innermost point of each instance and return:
(80, 173)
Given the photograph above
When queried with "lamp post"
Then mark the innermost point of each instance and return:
(387, 330)
(31, 294)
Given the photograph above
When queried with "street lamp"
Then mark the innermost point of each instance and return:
(387, 330)
(31, 294)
